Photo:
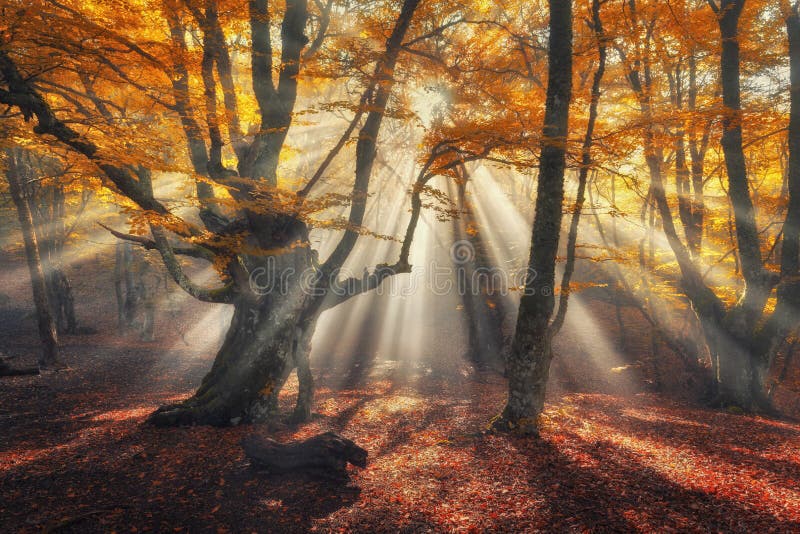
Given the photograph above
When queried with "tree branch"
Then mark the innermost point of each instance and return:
(149, 244)
(24, 96)
(343, 290)
(366, 147)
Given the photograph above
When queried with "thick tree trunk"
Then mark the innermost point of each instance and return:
(260, 350)
(531, 351)
(248, 372)
(739, 379)
(46, 325)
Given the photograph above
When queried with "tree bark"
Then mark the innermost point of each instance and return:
(15, 172)
(697, 152)
(125, 287)
(259, 350)
(583, 174)
(325, 454)
(531, 351)
(682, 173)
(790, 246)
(757, 283)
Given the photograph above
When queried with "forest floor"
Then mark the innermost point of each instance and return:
(76, 456)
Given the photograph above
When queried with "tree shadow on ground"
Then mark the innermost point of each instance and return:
(727, 437)
(65, 404)
(164, 481)
(616, 492)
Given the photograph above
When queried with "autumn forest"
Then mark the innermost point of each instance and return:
(399, 266)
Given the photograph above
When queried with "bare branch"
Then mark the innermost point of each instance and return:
(149, 244)
(344, 290)
(324, 22)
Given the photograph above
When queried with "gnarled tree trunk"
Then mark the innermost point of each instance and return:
(260, 349)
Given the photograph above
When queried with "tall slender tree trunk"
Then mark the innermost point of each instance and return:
(119, 285)
(531, 351)
(697, 151)
(790, 246)
(682, 173)
(618, 287)
(125, 287)
(47, 328)
(583, 173)
(49, 215)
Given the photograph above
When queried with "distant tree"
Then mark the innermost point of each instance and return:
(18, 170)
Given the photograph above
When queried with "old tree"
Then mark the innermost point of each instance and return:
(245, 222)
(258, 104)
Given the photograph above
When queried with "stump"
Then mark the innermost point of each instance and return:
(325, 454)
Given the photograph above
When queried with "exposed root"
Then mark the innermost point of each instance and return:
(524, 427)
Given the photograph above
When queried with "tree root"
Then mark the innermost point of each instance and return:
(525, 427)
(187, 413)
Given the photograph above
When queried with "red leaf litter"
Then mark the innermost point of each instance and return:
(75, 456)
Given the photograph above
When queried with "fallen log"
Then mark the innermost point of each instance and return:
(325, 454)
(7, 370)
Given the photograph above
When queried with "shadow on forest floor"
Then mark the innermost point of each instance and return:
(75, 455)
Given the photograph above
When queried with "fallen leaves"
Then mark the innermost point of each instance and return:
(604, 462)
